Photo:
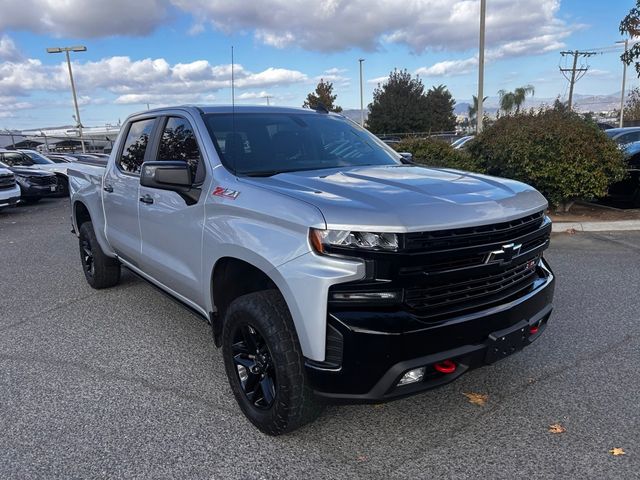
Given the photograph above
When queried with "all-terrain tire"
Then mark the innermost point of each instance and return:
(293, 405)
(100, 270)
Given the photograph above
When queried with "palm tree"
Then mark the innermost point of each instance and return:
(520, 94)
(507, 101)
(473, 109)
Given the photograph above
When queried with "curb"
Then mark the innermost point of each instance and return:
(617, 226)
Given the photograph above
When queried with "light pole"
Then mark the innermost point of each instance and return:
(624, 81)
(360, 60)
(66, 50)
(480, 112)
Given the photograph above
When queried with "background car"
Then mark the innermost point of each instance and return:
(627, 191)
(59, 158)
(462, 141)
(34, 183)
(33, 159)
(625, 135)
(9, 189)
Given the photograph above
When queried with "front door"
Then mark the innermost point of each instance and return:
(171, 224)
(120, 191)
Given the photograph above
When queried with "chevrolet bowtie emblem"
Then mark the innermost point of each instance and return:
(505, 255)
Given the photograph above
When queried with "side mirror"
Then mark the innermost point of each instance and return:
(169, 175)
(407, 157)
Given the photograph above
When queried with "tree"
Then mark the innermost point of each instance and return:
(440, 104)
(507, 101)
(630, 25)
(515, 99)
(399, 105)
(324, 95)
(520, 95)
(473, 109)
(632, 107)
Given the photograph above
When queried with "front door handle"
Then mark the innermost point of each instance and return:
(148, 199)
(108, 188)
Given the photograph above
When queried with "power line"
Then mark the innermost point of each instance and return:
(576, 73)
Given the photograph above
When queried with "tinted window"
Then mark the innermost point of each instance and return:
(178, 142)
(37, 158)
(16, 159)
(269, 143)
(135, 145)
(628, 138)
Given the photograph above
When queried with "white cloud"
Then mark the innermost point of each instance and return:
(254, 95)
(449, 67)
(8, 50)
(335, 25)
(82, 18)
(377, 80)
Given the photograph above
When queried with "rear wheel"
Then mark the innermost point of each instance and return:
(100, 270)
(265, 365)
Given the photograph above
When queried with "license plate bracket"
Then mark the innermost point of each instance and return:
(507, 342)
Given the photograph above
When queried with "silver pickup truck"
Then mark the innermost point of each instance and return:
(330, 267)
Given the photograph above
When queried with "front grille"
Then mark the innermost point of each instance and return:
(469, 292)
(459, 271)
(7, 181)
(44, 180)
(472, 236)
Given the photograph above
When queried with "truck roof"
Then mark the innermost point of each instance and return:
(230, 109)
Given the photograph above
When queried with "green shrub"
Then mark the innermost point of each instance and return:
(560, 154)
(436, 153)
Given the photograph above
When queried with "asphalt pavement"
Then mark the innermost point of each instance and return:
(124, 383)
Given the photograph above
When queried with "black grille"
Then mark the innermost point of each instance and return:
(44, 180)
(7, 181)
(459, 271)
(473, 291)
(468, 237)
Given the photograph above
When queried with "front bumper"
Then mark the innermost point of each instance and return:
(378, 347)
(9, 202)
(30, 190)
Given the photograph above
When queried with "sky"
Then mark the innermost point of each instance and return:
(167, 52)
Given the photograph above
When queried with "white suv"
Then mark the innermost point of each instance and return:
(9, 189)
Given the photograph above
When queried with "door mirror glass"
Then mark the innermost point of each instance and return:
(166, 175)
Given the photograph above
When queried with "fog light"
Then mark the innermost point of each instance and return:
(412, 376)
(364, 296)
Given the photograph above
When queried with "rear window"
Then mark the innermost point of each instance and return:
(135, 146)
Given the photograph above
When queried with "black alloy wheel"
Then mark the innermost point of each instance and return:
(88, 263)
(254, 366)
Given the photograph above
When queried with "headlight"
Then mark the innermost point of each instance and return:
(320, 239)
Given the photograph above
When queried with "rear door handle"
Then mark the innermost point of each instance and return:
(148, 199)
(108, 188)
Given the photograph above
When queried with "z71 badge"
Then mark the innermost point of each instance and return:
(225, 192)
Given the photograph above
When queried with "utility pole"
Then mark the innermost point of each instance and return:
(66, 50)
(360, 60)
(624, 81)
(576, 73)
(480, 112)
(267, 97)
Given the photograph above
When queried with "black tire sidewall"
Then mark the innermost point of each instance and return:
(267, 313)
(106, 270)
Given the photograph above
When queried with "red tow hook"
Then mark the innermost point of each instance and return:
(534, 329)
(445, 366)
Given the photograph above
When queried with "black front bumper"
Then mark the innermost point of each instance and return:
(379, 347)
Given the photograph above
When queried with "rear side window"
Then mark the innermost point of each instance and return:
(178, 142)
(135, 146)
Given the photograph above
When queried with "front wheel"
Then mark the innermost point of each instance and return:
(264, 363)
(100, 270)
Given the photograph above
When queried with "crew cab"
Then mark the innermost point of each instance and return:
(330, 267)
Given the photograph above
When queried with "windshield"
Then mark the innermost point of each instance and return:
(17, 159)
(37, 158)
(265, 144)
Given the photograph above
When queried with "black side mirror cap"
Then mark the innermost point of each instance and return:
(407, 158)
(167, 175)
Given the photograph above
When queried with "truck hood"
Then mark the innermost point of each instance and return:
(406, 198)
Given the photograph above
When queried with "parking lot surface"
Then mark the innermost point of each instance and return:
(125, 383)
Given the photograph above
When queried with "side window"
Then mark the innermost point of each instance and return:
(178, 142)
(16, 159)
(135, 146)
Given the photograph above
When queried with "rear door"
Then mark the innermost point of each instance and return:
(120, 190)
(171, 223)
